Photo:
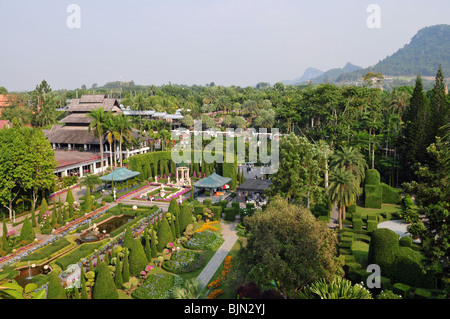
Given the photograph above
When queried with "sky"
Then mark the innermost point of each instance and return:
(228, 42)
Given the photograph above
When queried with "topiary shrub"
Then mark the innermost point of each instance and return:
(27, 232)
(391, 195)
(373, 195)
(164, 235)
(410, 270)
(357, 223)
(137, 259)
(55, 289)
(372, 177)
(104, 287)
(401, 289)
(421, 293)
(405, 241)
(372, 225)
(230, 214)
(383, 249)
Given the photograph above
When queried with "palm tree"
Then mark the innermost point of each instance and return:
(110, 136)
(350, 159)
(98, 124)
(90, 181)
(338, 288)
(122, 130)
(343, 190)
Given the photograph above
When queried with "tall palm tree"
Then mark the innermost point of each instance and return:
(352, 160)
(343, 190)
(98, 124)
(122, 130)
(111, 123)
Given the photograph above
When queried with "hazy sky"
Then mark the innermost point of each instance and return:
(230, 42)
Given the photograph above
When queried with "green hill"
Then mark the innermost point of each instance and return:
(427, 49)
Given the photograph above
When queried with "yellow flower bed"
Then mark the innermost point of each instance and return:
(208, 226)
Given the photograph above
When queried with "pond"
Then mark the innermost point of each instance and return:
(113, 223)
(27, 274)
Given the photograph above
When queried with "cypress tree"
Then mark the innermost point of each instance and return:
(76, 294)
(88, 201)
(42, 209)
(128, 240)
(104, 288)
(137, 259)
(91, 266)
(33, 218)
(185, 217)
(148, 250)
(164, 235)
(27, 232)
(70, 200)
(153, 244)
(84, 294)
(438, 108)
(126, 267)
(106, 260)
(118, 280)
(414, 144)
(55, 289)
(54, 216)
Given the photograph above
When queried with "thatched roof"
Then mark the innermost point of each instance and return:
(64, 135)
(88, 103)
(76, 118)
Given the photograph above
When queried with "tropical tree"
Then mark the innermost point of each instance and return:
(352, 160)
(99, 120)
(343, 190)
(90, 181)
(122, 131)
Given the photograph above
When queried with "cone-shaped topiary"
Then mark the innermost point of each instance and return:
(104, 287)
(33, 218)
(88, 201)
(164, 235)
(185, 217)
(84, 294)
(137, 259)
(148, 249)
(55, 289)
(153, 244)
(126, 267)
(128, 240)
(27, 232)
(118, 280)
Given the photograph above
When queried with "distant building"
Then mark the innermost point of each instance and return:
(5, 123)
(74, 135)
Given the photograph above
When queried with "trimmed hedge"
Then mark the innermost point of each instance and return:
(230, 214)
(372, 225)
(373, 195)
(391, 195)
(372, 177)
(420, 293)
(357, 223)
(78, 253)
(401, 289)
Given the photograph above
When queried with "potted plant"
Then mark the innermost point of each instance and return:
(416, 229)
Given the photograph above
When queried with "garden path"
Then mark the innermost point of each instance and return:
(230, 237)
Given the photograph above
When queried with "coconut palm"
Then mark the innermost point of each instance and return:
(343, 190)
(99, 119)
(122, 130)
(350, 159)
(90, 181)
(111, 122)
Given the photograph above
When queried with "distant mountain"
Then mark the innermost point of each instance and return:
(331, 75)
(309, 74)
(426, 50)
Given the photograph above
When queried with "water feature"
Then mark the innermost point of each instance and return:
(27, 274)
(113, 223)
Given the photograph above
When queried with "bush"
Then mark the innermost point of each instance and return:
(217, 211)
(391, 195)
(420, 293)
(383, 250)
(185, 217)
(405, 241)
(372, 177)
(357, 223)
(137, 259)
(401, 289)
(230, 214)
(372, 225)
(104, 288)
(352, 267)
(373, 196)
(207, 202)
(164, 235)
(55, 289)
(27, 232)
(410, 270)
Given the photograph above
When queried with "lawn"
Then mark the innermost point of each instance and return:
(361, 252)
(386, 208)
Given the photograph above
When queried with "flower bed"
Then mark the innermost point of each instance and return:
(172, 190)
(133, 192)
(158, 286)
(208, 226)
(218, 281)
(204, 240)
(62, 191)
(184, 261)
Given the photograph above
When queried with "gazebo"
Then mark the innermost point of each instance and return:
(212, 182)
(119, 175)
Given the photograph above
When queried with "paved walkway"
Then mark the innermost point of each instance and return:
(230, 236)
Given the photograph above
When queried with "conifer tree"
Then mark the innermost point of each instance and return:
(164, 234)
(125, 267)
(55, 289)
(153, 244)
(104, 288)
(27, 232)
(148, 250)
(438, 108)
(118, 280)
(137, 259)
(84, 293)
(33, 218)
